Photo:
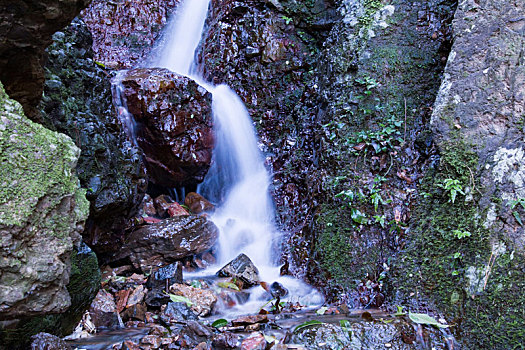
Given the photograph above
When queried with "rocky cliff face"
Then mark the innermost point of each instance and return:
(466, 253)
(77, 101)
(42, 211)
(26, 28)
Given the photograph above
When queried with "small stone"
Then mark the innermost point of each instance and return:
(197, 203)
(255, 341)
(175, 209)
(162, 204)
(129, 345)
(242, 268)
(225, 340)
(247, 320)
(103, 310)
(152, 340)
(177, 312)
(137, 296)
(135, 312)
(46, 341)
(203, 300)
(122, 299)
(148, 207)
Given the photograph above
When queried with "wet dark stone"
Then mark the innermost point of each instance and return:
(225, 341)
(159, 281)
(26, 28)
(174, 125)
(176, 312)
(242, 268)
(77, 101)
(197, 203)
(278, 290)
(168, 241)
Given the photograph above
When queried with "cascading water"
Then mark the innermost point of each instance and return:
(238, 179)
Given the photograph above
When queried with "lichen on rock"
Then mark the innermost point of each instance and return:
(42, 211)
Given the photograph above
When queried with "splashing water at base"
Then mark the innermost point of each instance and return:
(238, 179)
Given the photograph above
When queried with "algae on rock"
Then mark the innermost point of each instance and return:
(42, 212)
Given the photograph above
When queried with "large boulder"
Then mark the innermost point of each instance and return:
(26, 28)
(84, 283)
(467, 254)
(169, 240)
(77, 101)
(174, 125)
(42, 211)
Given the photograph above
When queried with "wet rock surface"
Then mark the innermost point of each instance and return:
(169, 240)
(241, 268)
(26, 28)
(46, 341)
(77, 101)
(125, 31)
(174, 125)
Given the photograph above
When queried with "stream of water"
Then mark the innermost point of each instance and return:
(238, 179)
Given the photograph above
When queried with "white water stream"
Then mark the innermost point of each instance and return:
(238, 179)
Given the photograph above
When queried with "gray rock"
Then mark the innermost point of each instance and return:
(46, 341)
(242, 268)
(103, 311)
(169, 240)
(42, 212)
(177, 312)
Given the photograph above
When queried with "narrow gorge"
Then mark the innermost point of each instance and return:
(262, 174)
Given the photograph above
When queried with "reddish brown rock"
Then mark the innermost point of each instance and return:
(122, 299)
(162, 203)
(197, 203)
(247, 320)
(123, 33)
(148, 206)
(175, 209)
(255, 341)
(170, 240)
(175, 125)
(136, 312)
(203, 300)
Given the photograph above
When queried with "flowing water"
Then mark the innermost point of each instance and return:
(238, 180)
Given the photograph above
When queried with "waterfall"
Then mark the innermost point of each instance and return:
(238, 180)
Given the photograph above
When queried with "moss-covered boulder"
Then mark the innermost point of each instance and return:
(466, 253)
(42, 211)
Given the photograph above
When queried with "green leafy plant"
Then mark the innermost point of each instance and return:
(307, 324)
(180, 299)
(221, 322)
(515, 213)
(453, 187)
(287, 19)
(228, 285)
(425, 319)
(400, 311)
(459, 234)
